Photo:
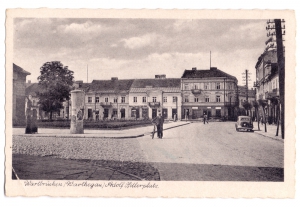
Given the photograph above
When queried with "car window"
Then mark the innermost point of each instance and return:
(245, 119)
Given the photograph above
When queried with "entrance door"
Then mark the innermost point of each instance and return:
(122, 113)
(165, 113)
(154, 113)
(196, 113)
(145, 113)
(90, 114)
(218, 112)
(186, 113)
(137, 113)
(207, 112)
(105, 113)
(174, 112)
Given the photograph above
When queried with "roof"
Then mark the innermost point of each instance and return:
(32, 89)
(111, 85)
(166, 90)
(210, 73)
(156, 83)
(18, 69)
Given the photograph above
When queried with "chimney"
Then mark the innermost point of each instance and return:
(114, 78)
(213, 68)
(194, 68)
(29, 81)
(163, 76)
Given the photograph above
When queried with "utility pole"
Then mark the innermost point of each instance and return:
(87, 73)
(246, 79)
(281, 69)
(209, 59)
(281, 63)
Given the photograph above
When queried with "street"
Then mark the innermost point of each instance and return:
(214, 151)
(210, 152)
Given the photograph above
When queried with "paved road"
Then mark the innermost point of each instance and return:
(214, 151)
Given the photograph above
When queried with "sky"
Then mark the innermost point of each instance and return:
(138, 48)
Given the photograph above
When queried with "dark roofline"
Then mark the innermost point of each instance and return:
(224, 74)
(17, 68)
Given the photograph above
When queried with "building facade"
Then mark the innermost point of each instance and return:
(212, 92)
(19, 86)
(149, 97)
(107, 99)
(242, 96)
(267, 81)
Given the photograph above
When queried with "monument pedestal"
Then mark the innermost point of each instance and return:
(77, 112)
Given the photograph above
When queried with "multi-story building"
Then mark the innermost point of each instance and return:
(267, 81)
(19, 81)
(148, 97)
(212, 92)
(107, 99)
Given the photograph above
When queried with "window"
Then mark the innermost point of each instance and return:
(218, 99)
(174, 99)
(106, 99)
(206, 85)
(186, 86)
(123, 99)
(115, 100)
(97, 99)
(144, 99)
(135, 99)
(186, 99)
(206, 99)
(196, 100)
(153, 99)
(229, 86)
(165, 99)
(218, 86)
(89, 99)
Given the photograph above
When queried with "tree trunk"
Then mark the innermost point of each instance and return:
(50, 115)
(277, 114)
(257, 118)
(265, 120)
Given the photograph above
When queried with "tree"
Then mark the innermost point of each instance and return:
(263, 104)
(256, 105)
(247, 106)
(56, 83)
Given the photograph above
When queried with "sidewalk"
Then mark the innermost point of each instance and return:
(100, 133)
(271, 131)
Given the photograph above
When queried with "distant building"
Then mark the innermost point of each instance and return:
(19, 85)
(242, 94)
(149, 97)
(212, 92)
(108, 99)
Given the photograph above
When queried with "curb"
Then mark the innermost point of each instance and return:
(278, 139)
(99, 137)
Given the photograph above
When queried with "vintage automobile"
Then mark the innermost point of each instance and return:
(244, 123)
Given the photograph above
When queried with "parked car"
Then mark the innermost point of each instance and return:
(244, 123)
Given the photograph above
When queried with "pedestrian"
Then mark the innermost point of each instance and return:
(205, 119)
(159, 122)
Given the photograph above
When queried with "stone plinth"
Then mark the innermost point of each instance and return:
(77, 112)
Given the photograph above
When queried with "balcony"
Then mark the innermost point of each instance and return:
(196, 91)
(106, 104)
(154, 104)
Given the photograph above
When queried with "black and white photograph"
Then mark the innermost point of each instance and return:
(135, 103)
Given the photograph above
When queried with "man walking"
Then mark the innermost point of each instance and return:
(205, 118)
(159, 122)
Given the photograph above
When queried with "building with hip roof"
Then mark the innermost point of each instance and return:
(211, 92)
(149, 97)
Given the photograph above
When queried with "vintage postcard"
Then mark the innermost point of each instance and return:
(150, 103)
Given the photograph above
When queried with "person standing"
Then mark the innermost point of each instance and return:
(160, 126)
(205, 118)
